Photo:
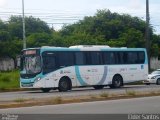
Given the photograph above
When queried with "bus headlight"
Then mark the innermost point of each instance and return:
(37, 79)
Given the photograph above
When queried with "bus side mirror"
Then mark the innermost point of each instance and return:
(159, 57)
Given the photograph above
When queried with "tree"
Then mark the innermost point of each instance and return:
(57, 40)
(109, 28)
(155, 45)
(133, 38)
(38, 39)
(104, 28)
(4, 36)
(11, 35)
(33, 25)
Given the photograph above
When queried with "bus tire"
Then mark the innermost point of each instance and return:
(117, 81)
(158, 81)
(98, 87)
(45, 90)
(64, 84)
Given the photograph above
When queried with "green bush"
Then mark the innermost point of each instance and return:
(9, 80)
(5, 78)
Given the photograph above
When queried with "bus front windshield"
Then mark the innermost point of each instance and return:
(31, 64)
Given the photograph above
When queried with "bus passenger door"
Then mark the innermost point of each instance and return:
(49, 66)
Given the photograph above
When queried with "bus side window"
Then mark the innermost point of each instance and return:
(133, 58)
(106, 59)
(95, 58)
(141, 57)
(129, 58)
(79, 58)
(49, 62)
(112, 58)
(109, 58)
(65, 59)
(125, 58)
(119, 59)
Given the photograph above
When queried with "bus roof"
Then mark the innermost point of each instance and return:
(87, 48)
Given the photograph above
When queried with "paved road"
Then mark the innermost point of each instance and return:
(124, 106)
(8, 96)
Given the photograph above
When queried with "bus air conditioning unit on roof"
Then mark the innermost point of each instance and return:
(90, 46)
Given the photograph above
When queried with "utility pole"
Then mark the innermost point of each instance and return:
(23, 21)
(148, 32)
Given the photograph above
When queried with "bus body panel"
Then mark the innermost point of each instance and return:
(88, 76)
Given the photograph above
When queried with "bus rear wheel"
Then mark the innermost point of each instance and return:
(98, 87)
(45, 90)
(117, 82)
(64, 85)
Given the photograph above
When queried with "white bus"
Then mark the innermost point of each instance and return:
(77, 66)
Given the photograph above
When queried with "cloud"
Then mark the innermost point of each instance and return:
(135, 4)
(3, 3)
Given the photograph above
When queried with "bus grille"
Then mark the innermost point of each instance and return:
(27, 84)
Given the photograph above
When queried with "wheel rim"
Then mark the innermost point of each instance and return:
(64, 85)
(117, 81)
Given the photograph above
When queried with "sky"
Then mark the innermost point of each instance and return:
(57, 13)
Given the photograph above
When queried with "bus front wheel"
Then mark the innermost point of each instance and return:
(117, 82)
(64, 84)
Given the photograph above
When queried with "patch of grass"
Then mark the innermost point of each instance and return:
(20, 100)
(93, 96)
(104, 94)
(9, 80)
(5, 78)
(2, 88)
(154, 92)
(57, 100)
(114, 95)
(158, 91)
(130, 92)
(23, 100)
